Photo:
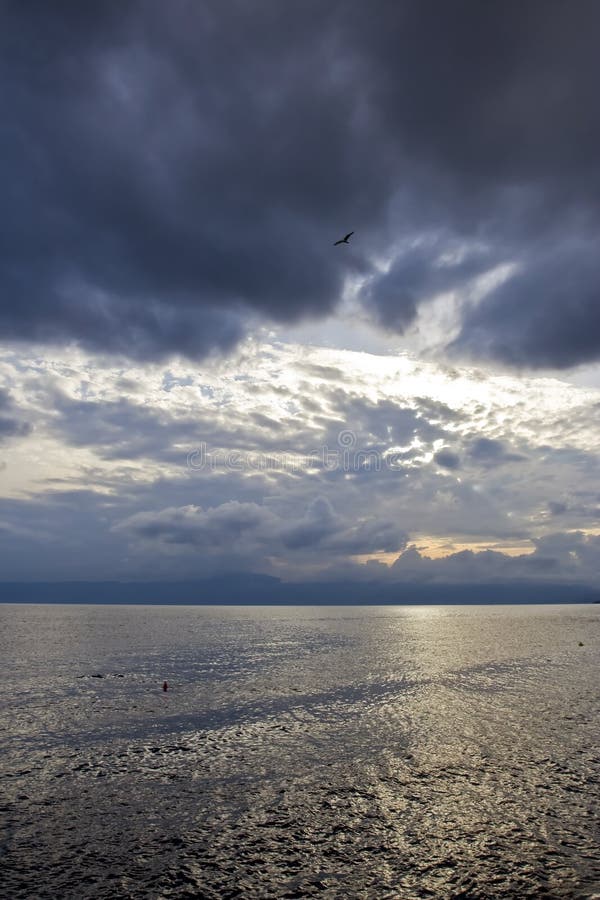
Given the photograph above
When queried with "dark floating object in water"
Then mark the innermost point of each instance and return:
(344, 240)
(165, 686)
(581, 643)
(97, 675)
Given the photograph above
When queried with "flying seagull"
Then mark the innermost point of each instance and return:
(344, 240)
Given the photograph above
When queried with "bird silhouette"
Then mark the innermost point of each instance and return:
(344, 240)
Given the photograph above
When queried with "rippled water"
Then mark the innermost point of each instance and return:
(300, 752)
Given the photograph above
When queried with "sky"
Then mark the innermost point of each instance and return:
(194, 381)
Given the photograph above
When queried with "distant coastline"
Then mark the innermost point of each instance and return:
(253, 589)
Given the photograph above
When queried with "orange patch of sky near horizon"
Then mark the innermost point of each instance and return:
(439, 548)
(442, 547)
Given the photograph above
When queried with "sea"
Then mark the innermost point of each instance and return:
(298, 752)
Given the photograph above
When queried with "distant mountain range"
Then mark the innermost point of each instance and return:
(247, 588)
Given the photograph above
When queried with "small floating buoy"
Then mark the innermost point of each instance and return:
(581, 643)
(165, 686)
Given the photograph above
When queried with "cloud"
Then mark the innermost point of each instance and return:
(161, 200)
(428, 267)
(262, 462)
(159, 196)
(546, 314)
(562, 557)
(447, 459)
(556, 507)
(11, 425)
(491, 452)
(317, 524)
(250, 534)
(219, 527)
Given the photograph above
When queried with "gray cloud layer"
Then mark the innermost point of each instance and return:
(12, 423)
(174, 170)
(280, 466)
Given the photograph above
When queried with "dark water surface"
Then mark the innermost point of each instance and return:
(333, 752)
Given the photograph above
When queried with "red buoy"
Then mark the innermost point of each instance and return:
(165, 686)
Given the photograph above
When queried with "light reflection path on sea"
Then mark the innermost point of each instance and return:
(333, 752)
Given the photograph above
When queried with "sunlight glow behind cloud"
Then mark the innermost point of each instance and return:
(452, 458)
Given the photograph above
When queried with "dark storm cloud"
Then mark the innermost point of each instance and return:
(173, 170)
(418, 274)
(548, 313)
(493, 109)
